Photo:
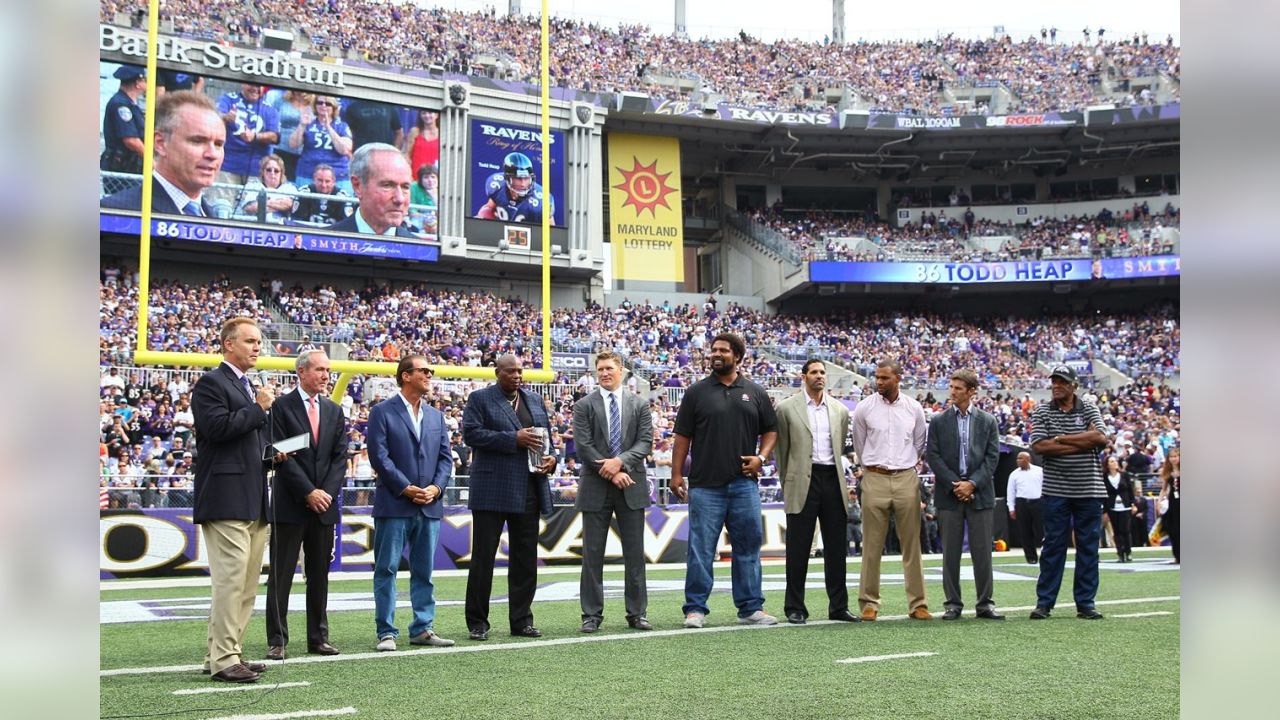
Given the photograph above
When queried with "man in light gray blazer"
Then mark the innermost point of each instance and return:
(812, 427)
(613, 432)
(963, 449)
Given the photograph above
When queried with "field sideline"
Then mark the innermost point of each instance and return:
(1060, 668)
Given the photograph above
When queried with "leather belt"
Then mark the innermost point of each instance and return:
(883, 470)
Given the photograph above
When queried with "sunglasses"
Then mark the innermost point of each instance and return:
(327, 103)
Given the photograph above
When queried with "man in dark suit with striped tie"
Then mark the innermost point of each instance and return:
(613, 431)
(304, 504)
(188, 152)
(500, 423)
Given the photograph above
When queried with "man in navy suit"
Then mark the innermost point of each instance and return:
(409, 452)
(231, 494)
(189, 140)
(499, 424)
(963, 450)
(382, 180)
(303, 504)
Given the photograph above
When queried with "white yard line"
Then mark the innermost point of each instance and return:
(1143, 614)
(469, 646)
(238, 688)
(878, 658)
(296, 714)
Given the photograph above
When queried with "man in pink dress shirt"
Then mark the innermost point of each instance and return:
(889, 436)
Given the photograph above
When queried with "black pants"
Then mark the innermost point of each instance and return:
(286, 540)
(824, 504)
(1030, 526)
(1170, 525)
(1120, 529)
(522, 570)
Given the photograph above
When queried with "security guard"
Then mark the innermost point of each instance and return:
(122, 124)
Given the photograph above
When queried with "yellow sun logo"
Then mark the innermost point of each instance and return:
(645, 188)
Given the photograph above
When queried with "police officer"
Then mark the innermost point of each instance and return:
(122, 125)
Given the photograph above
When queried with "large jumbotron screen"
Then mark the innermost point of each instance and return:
(289, 193)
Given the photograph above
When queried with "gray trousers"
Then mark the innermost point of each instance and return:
(595, 533)
(953, 525)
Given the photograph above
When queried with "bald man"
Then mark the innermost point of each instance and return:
(501, 424)
(1023, 499)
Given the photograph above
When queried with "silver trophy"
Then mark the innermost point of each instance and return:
(536, 453)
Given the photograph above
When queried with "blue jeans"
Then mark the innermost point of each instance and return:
(389, 538)
(1059, 516)
(737, 507)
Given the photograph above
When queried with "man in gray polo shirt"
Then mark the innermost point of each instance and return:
(1067, 432)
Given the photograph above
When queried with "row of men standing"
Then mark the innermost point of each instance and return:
(726, 423)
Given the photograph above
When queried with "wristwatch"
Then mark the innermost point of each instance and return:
(763, 459)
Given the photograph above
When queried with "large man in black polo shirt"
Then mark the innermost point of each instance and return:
(1067, 431)
(721, 417)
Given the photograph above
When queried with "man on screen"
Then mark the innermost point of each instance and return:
(189, 148)
(383, 182)
(512, 194)
(322, 211)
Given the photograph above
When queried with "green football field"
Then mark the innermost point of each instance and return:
(152, 642)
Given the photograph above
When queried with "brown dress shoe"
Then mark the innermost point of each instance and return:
(275, 652)
(323, 648)
(869, 614)
(237, 673)
(254, 666)
(920, 613)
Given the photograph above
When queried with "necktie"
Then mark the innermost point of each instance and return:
(964, 444)
(313, 414)
(248, 387)
(192, 208)
(615, 426)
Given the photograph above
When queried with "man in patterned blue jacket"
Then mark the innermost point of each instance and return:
(500, 424)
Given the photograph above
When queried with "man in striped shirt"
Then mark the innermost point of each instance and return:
(1067, 432)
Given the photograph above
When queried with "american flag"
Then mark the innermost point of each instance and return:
(102, 497)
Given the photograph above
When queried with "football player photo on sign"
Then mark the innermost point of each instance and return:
(512, 194)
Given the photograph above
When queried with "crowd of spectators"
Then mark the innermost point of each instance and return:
(904, 76)
(146, 421)
(934, 234)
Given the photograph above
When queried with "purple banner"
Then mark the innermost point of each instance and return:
(265, 236)
(762, 116)
(160, 542)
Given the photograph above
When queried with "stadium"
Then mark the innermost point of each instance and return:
(1005, 204)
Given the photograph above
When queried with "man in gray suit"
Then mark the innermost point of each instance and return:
(811, 431)
(613, 431)
(962, 451)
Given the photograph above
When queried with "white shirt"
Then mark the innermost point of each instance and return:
(820, 425)
(415, 413)
(889, 434)
(179, 198)
(1024, 484)
(366, 229)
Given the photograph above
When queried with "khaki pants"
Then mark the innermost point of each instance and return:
(235, 549)
(898, 494)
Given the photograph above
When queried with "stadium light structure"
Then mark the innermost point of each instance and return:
(142, 355)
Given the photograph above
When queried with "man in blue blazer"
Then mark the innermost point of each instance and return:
(963, 450)
(499, 424)
(230, 503)
(409, 451)
(188, 140)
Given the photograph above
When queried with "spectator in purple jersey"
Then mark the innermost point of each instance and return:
(323, 139)
(253, 127)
